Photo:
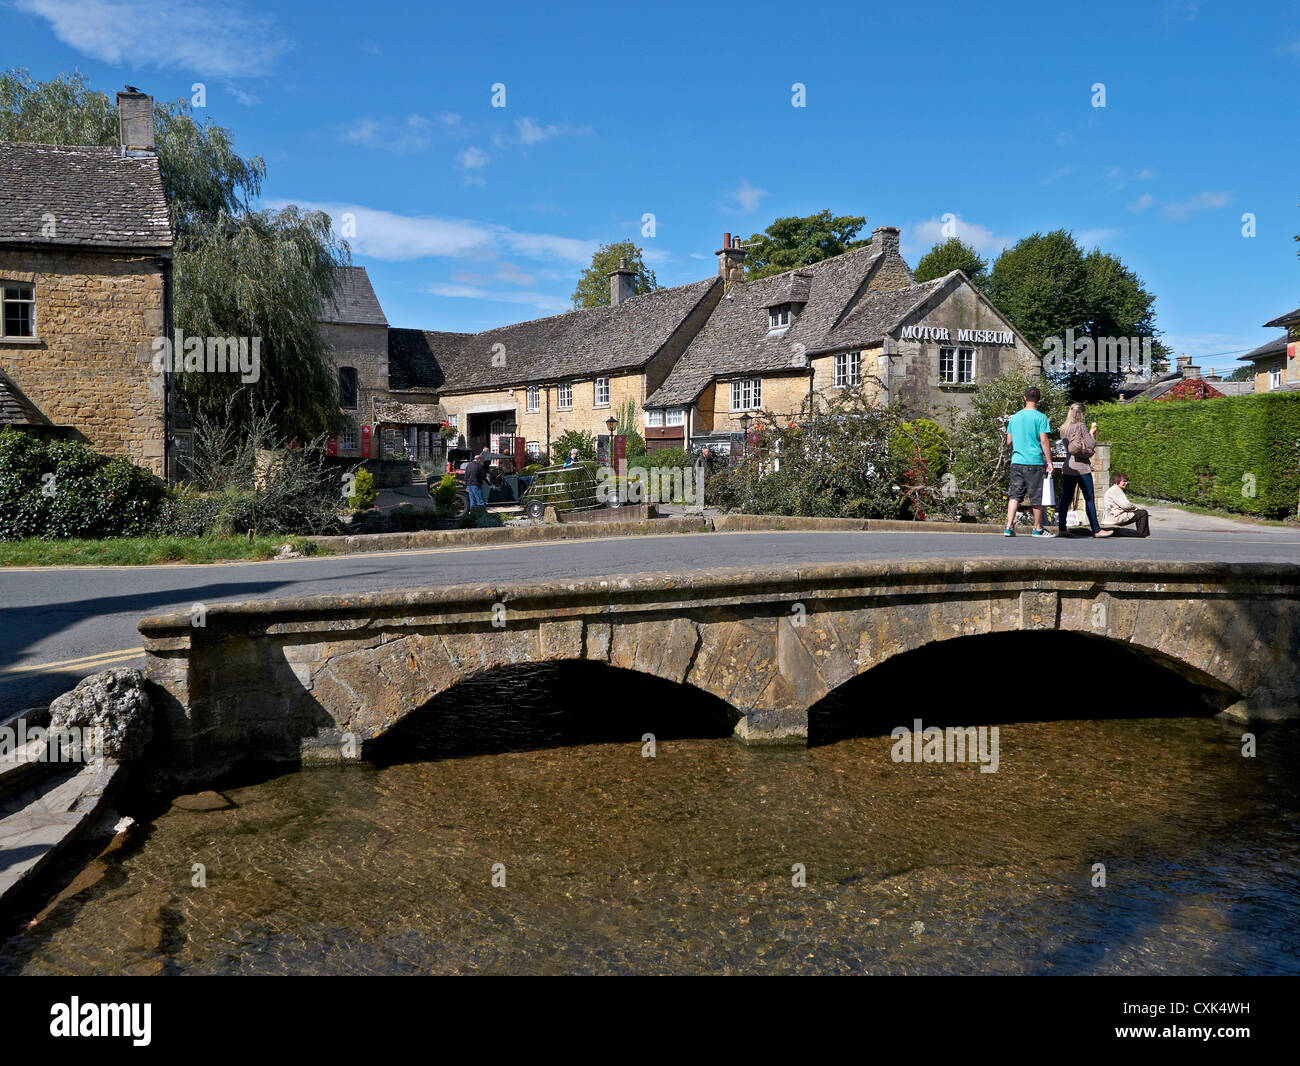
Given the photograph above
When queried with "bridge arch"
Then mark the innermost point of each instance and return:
(292, 678)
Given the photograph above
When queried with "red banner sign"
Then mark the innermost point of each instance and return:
(620, 455)
(365, 442)
(332, 446)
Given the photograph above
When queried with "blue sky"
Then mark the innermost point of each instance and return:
(470, 216)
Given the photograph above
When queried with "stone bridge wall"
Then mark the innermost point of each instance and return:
(281, 679)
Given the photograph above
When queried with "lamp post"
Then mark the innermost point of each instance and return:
(744, 429)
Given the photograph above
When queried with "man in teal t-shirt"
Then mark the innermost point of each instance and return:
(1031, 460)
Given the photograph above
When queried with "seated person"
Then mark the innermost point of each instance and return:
(1118, 511)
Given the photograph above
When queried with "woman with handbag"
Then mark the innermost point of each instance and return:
(1077, 471)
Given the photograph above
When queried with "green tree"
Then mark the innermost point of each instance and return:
(1118, 304)
(1040, 284)
(626, 415)
(1245, 372)
(953, 254)
(238, 272)
(593, 283)
(794, 242)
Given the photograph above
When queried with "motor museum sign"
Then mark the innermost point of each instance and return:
(964, 336)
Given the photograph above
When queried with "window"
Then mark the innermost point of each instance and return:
(675, 416)
(497, 427)
(747, 394)
(956, 365)
(534, 398)
(348, 437)
(601, 398)
(451, 420)
(19, 319)
(654, 418)
(566, 396)
(848, 369)
(1275, 377)
(778, 316)
(348, 388)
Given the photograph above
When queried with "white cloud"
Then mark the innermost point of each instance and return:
(473, 158)
(921, 237)
(474, 292)
(529, 131)
(411, 134)
(1146, 175)
(392, 237)
(1142, 202)
(1202, 201)
(1060, 172)
(215, 40)
(1090, 238)
(513, 274)
(745, 198)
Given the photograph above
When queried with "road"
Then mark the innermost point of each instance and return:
(58, 624)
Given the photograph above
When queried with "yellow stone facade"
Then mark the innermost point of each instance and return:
(90, 365)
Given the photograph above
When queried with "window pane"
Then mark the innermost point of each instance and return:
(347, 387)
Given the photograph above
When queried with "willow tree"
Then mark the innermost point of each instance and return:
(239, 272)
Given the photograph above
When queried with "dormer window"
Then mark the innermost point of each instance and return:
(778, 317)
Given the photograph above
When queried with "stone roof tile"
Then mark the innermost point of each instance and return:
(354, 300)
(93, 196)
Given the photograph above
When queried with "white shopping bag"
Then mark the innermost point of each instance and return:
(1049, 491)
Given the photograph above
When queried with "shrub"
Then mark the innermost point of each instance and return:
(63, 489)
(574, 438)
(185, 513)
(405, 518)
(364, 492)
(924, 441)
(667, 459)
(444, 494)
(1214, 453)
(531, 469)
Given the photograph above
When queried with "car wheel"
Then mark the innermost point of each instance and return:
(461, 504)
(535, 509)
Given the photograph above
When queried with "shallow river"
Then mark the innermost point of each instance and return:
(686, 861)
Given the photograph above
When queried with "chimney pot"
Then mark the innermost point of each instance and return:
(731, 260)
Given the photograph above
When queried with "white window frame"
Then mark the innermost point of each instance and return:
(598, 386)
(778, 317)
(533, 402)
(349, 437)
(654, 417)
(746, 394)
(960, 369)
(6, 299)
(848, 369)
(675, 416)
(1275, 377)
(564, 396)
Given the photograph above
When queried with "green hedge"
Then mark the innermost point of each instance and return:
(1201, 451)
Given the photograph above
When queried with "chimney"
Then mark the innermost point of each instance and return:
(731, 261)
(1187, 368)
(622, 283)
(135, 121)
(885, 239)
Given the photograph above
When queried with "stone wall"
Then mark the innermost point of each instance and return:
(90, 367)
(366, 349)
(290, 679)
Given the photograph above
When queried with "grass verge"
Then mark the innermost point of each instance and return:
(143, 551)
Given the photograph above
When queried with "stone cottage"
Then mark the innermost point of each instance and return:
(1277, 362)
(859, 318)
(85, 287)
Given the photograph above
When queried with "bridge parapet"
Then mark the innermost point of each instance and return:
(296, 677)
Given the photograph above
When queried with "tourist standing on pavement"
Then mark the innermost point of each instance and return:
(475, 475)
(1076, 472)
(1118, 511)
(1031, 459)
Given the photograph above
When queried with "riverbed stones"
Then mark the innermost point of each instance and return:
(116, 705)
(202, 801)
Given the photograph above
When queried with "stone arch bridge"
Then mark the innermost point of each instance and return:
(293, 678)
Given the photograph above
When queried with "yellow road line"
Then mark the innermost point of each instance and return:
(103, 658)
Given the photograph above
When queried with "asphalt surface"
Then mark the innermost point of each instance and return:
(58, 624)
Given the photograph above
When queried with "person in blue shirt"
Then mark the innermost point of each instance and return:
(1031, 460)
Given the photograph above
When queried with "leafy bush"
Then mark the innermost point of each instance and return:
(62, 489)
(531, 469)
(444, 494)
(185, 513)
(364, 493)
(1241, 453)
(923, 441)
(573, 438)
(405, 518)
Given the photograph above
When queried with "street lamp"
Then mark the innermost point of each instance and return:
(611, 424)
(744, 429)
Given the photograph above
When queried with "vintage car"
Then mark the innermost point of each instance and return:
(503, 484)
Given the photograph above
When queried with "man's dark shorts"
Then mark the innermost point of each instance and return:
(1027, 483)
